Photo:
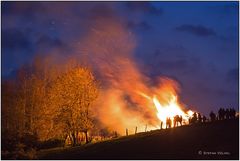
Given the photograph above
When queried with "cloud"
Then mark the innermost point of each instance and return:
(14, 39)
(170, 60)
(143, 25)
(46, 42)
(24, 9)
(197, 30)
(183, 66)
(145, 7)
(17, 49)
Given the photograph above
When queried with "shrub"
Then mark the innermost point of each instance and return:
(51, 143)
(9, 141)
(20, 153)
(15, 146)
(30, 141)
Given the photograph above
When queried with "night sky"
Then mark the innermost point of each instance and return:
(194, 43)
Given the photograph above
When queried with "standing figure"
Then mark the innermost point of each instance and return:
(194, 118)
(220, 114)
(227, 114)
(168, 122)
(180, 120)
(175, 121)
(212, 116)
(204, 119)
(161, 124)
(199, 118)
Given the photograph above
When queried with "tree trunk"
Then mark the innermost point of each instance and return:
(86, 136)
(74, 139)
(65, 140)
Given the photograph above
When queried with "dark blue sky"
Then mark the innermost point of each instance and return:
(195, 43)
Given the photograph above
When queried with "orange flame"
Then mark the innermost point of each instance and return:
(165, 100)
(170, 110)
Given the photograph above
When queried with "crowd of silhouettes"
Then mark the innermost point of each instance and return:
(197, 118)
(223, 114)
(226, 113)
(177, 119)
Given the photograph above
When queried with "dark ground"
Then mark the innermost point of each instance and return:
(218, 140)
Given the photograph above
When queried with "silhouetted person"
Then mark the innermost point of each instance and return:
(199, 118)
(227, 114)
(189, 120)
(175, 120)
(220, 112)
(180, 120)
(223, 113)
(232, 113)
(168, 122)
(161, 124)
(115, 134)
(204, 119)
(212, 116)
(194, 118)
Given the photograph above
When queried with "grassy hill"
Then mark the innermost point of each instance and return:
(218, 140)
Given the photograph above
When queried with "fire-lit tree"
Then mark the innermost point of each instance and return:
(30, 100)
(73, 93)
(49, 101)
(8, 108)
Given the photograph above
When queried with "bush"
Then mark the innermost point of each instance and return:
(15, 146)
(30, 141)
(9, 140)
(51, 143)
(20, 153)
(29, 154)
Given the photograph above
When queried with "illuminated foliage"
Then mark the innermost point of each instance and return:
(73, 93)
(49, 101)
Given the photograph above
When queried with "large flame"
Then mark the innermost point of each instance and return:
(170, 110)
(168, 106)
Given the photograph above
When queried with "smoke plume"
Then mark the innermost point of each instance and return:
(108, 48)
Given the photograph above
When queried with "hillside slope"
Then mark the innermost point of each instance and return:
(218, 140)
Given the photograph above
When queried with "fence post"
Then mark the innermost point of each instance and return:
(136, 130)
(126, 132)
